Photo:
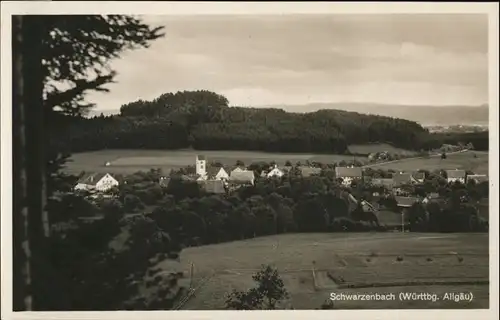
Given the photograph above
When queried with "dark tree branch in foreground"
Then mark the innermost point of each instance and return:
(56, 61)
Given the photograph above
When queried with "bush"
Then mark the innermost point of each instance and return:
(399, 258)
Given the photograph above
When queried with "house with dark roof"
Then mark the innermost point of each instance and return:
(430, 197)
(309, 171)
(406, 202)
(401, 178)
(418, 177)
(387, 183)
(96, 181)
(214, 186)
(217, 173)
(348, 174)
(456, 175)
(242, 177)
(478, 178)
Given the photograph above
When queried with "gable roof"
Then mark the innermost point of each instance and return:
(344, 172)
(242, 176)
(274, 170)
(309, 171)
(477, 177)
(418, 175)
(401, 178)
(455, 173)
(212, 171)
(91, 178)
(237, 169)
(383, 182)
(164, 181)
(406, 201)
(214, 186)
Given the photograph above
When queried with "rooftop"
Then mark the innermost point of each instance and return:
(309, 171)
(455, 173)
(352, 172)
(91, 178)
(214, 186)
(406, 201)
(242, 176)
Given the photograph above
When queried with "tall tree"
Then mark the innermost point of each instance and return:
(57, 59)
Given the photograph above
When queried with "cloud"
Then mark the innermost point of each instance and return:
(421, 59)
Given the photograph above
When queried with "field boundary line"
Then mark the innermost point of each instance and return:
(192, 292)
(411, 158)
(411, 284)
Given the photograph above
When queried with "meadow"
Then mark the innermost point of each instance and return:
(378, 147)
(460, 160)
(433, 263)
(130, 161)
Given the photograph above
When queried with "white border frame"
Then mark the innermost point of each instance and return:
(9, 8)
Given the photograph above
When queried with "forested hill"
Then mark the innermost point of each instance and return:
(203, 120)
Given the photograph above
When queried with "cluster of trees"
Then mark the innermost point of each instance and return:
(289, 204)
(203, 120)
(479, 140)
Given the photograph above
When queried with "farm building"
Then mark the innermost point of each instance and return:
(310, 171)
(275, 172)
(430, 197)
(478, 178)
(401, 178)
(456, 175)
(217, 173)
(387, 183)
(348, 174)
(96, 181)
(214, 186)
(239, 176)
(418, 177)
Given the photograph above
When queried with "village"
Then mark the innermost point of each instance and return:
(216, 178)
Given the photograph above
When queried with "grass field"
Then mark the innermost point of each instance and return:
(378, 147)
(436, 263)
(130, 161)
(462, 160)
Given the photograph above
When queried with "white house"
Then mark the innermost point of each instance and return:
(456, 175)
(275, 172)
(217, 173)
(96, 181)
(201, 165)
(348, 174)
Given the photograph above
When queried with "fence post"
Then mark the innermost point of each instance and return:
(191, 272)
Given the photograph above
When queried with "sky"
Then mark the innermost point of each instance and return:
(412, 59)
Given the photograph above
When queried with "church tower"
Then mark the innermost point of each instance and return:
(201, 165)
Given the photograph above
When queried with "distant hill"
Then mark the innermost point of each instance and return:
(425, 115)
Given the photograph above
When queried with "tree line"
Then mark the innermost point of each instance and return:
(203, 120)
